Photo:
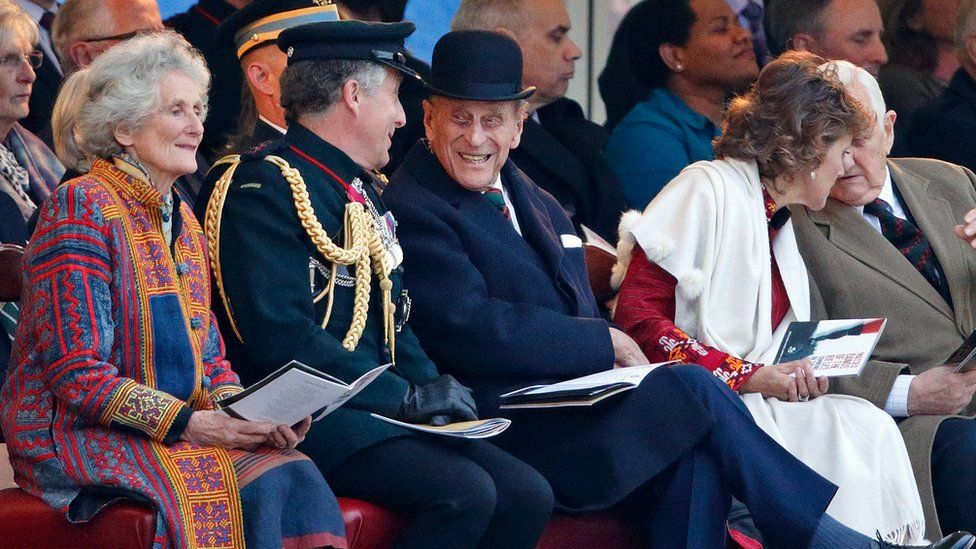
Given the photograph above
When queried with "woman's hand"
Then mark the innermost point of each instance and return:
(791, 381)
(289, 437)
(216, 428)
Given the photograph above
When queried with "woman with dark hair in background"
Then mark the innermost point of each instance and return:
(694, 56)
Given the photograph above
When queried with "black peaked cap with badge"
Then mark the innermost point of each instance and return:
(477, 65)
(353, 40)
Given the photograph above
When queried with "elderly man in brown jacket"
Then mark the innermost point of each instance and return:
(886, 246)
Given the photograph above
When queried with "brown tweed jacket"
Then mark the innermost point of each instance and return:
(860, 274)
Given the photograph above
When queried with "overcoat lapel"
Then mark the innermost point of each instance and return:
(933, 214)
(849, 231)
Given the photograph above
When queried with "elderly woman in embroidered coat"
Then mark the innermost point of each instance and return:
(716, 278)
(118, 363)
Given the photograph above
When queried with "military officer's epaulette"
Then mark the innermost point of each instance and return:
(262, 150)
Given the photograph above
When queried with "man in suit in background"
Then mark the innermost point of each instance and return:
(884, 247)
(945, 128)
(84, 29)
(560, 149)
(833, 29)
(49, 74)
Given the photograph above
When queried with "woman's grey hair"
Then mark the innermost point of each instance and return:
(120, 89)
(311, 87)
(15, 23)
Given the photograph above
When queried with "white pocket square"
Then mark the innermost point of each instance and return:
(571, 241)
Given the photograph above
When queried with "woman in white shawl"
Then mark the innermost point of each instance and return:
(716, 278)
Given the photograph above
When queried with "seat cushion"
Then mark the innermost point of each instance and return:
(27, 522)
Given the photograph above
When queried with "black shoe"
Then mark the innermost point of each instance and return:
(958, 540)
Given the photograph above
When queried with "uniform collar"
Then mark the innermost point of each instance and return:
(305, 140)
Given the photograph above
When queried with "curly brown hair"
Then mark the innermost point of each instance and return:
(790, 117)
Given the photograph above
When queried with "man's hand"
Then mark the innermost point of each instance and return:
(967, 230)
(939, 391)
(790, 381)
(215, 428)
(626, 351)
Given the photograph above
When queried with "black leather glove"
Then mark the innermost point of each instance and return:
(443, 396)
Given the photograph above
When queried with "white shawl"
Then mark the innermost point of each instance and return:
(708, 228)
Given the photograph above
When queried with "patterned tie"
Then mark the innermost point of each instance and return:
(46, 21)
(498, 200)
(904, 235)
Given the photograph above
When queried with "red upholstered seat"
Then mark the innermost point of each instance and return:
(29, 523)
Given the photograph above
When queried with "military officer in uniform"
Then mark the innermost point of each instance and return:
(252, 32)
(306, 264)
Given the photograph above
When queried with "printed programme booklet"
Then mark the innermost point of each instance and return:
(835, 347)
(478, 428)
(293, 392)
(582, 391)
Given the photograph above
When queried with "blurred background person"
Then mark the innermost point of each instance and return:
(922, 54)
(29, 171)
(49, 73)
(695, 55)
(945, 127)
(833, 29)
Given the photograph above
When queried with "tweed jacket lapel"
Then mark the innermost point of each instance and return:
(933, 214)
(849, 231)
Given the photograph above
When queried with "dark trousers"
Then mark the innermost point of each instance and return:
(456, 493)
(953, 478)
(686, 506)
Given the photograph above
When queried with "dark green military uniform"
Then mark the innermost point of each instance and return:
(271, 271)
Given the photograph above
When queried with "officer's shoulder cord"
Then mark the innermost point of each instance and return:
(363, 249)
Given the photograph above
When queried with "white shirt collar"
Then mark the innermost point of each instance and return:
(272, 124)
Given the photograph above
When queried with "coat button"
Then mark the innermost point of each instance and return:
(196, 323)
(182, 268)
(205, 381)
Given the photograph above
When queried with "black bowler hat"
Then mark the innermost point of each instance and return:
(477, 65)
(355, 40)
(261, 21)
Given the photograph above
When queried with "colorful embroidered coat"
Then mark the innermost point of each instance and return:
(116, 346)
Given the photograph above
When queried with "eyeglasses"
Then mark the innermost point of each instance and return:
(123, 36)
(13, 61)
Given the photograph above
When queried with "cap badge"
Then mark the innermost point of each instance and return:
(291, 51)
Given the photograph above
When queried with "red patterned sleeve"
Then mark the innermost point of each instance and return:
(221, 381)
(646, 310)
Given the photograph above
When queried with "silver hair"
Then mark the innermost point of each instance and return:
(120, 89)
(14, 22)
(848, 73)
(312, 87)
(965, 24)
(489, 15)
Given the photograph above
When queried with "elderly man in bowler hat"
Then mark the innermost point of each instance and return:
(307, 267)
(501, 300)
